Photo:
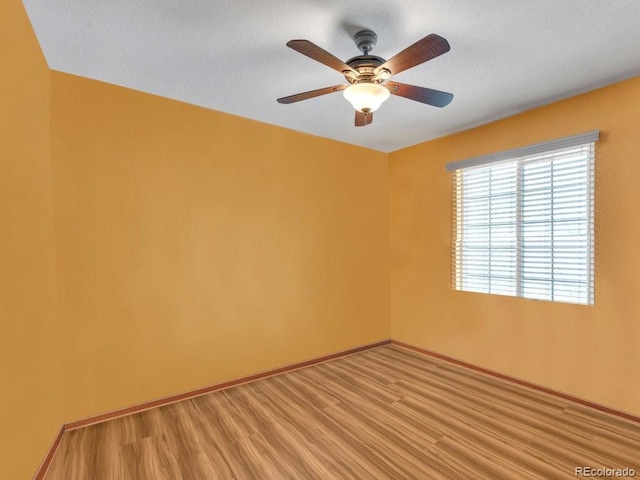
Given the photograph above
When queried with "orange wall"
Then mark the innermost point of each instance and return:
(195, 246)
(29, 362)
(590, 352)
(191, 247)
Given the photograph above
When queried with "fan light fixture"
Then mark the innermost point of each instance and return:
(365, 74)
(366, 97)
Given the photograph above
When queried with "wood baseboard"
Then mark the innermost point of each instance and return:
(121, 412)
(524, 383)
(44, 465)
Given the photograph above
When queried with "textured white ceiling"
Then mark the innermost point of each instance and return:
(230, 55)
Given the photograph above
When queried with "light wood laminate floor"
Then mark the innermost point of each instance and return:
(386, 413)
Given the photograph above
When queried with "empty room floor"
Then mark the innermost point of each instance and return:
(386, 413)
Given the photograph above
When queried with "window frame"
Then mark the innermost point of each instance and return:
(515, 280)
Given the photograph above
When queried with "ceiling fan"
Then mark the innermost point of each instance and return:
(367, 75)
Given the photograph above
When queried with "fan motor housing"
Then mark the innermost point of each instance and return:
(365, 65)
(360, 61)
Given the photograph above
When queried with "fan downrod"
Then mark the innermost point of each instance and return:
(365, 40)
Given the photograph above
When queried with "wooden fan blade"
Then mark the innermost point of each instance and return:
(429, 47)
(363, 119)
(313, 51)
(313, 93)
(420, 94)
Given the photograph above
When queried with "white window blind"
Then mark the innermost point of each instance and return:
(523, 222)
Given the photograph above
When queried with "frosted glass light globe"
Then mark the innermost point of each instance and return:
(366, 96)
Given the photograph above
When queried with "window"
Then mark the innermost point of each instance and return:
(523, 221)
